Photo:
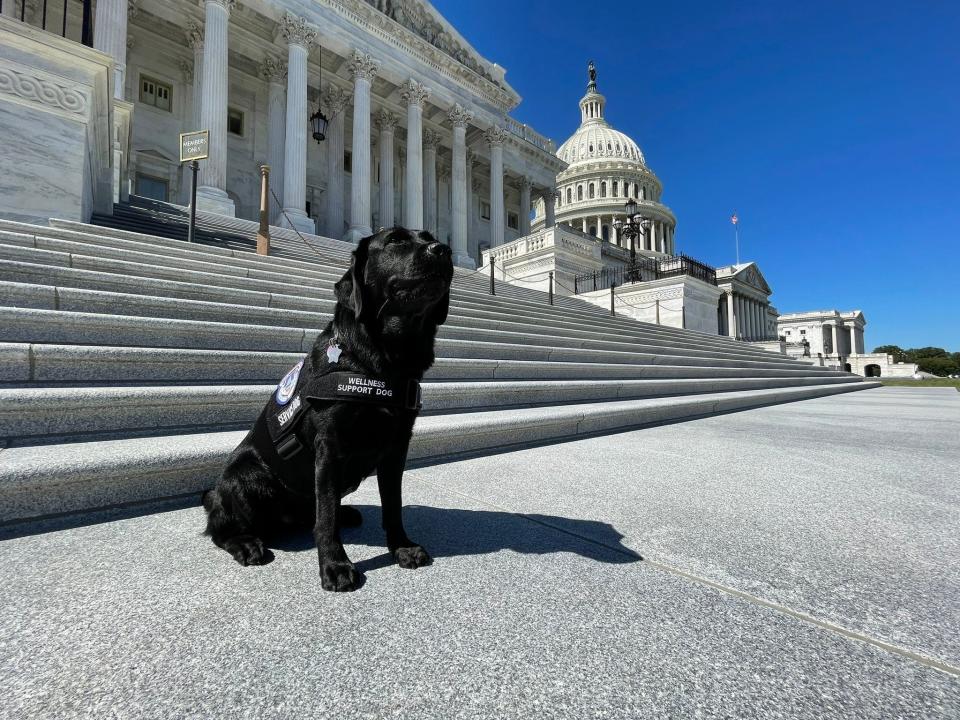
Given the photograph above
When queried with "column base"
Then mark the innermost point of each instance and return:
(297, 220)
(464, 261)
(215, 200)
(356, 233)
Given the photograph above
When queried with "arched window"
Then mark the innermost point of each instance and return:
(569, 196)
(591, 148)
(614, 188)
(592, 191)
(603, 189)
(609, 147)
(579, 192)
(618, 147)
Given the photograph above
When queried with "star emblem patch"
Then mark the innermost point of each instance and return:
(333, 354)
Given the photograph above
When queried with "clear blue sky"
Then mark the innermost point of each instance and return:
(830, 127)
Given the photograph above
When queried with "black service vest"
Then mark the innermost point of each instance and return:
(304, 384)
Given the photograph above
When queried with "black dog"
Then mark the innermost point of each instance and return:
(346, 410)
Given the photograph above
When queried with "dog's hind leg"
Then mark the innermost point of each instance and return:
(230, 526)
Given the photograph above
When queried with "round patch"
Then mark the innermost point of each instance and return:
(288, 385)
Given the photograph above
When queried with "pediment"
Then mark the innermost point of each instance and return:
(422, 19)
(750, 275)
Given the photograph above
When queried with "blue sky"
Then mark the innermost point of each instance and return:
(830, 127)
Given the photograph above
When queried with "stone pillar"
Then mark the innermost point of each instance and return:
(742, 329)
(109, 36)
(275, 73)
(853, 340)
(731, 316)
(585, 228)
(524, 205)
(195, 41)
(443, 202)
(549, 198)
(496, 136)
(335, 101)
(10, 10)
(362, 68)
(836, 337)
(754, 329)
(414, 94)
(460, 172)
(212, 192)
(386, 123)
(431, 140)
(299, 36)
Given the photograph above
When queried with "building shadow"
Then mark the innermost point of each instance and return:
(452, 532)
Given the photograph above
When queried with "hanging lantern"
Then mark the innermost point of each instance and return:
(318, 123)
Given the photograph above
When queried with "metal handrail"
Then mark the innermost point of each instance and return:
(645, 269)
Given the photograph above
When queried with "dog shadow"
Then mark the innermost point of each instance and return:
(449, 532)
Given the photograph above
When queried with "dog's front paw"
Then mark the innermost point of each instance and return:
(412, 557)
(248, 550)
(340, 576)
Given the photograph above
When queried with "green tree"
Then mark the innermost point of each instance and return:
(941, 366)
(894, 350)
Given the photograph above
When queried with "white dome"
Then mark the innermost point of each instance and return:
(596, 140)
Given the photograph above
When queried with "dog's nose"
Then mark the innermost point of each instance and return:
(438, 248)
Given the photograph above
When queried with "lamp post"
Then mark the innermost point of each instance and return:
(318, 124)
(635, 226)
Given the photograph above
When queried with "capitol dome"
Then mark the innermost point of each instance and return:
(605, 168)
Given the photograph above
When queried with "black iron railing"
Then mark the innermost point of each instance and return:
(52, 16)
(645, 269)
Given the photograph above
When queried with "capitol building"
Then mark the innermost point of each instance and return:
(367, 113)
(604, 168)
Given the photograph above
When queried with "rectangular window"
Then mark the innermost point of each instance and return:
(348, 162)
(484, 210)
(155, 93)
(152, 187)
(513, 221)
(235, 121)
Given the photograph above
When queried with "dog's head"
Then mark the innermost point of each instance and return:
(398, 272)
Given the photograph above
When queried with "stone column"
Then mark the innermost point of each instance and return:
(853, 340)
(585, 228)
(274, 71)
(460, 177)
(195, 41)
(549, 199)
(524, 205)
(335, 101)
(299, 36)
(742, 327)
(731, 317)
(443, 202)
(212, 192)
(836, 337)
(496, 136)
(109, 36)
(362, 68)
(386, 123)
(414, 94)
(431, 140)
(10, 9)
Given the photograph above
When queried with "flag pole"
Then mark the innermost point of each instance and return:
(736, 232)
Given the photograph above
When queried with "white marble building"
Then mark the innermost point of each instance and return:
(419, 132)
(605, 167)
(831, 337)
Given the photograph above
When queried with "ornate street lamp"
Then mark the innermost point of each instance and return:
(318, 122)
(635, 226)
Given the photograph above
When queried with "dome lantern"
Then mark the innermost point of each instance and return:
(591, 106)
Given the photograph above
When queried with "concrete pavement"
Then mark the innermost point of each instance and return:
(800, 561)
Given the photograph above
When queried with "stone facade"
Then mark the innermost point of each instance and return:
(252, 73)
(745, 311)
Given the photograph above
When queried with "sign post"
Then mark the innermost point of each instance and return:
(194, 146)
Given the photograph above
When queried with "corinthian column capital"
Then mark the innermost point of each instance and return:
(431, 139)
(195, 35)
(227, 5)
(297, 31)
(363, 65)
(414, 93)
(459, 116)
(495, 135)
(335, 98)
(273, 69)
(385, 121)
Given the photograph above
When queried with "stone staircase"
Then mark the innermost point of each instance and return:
(131, 364)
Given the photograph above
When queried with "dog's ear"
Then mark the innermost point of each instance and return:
(438, 313)
(349, 289)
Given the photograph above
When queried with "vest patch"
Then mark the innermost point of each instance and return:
(288, 385)
(289, 413)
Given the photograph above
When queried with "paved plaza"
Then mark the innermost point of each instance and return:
(799, 561)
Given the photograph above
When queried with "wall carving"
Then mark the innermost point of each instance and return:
(42, 91)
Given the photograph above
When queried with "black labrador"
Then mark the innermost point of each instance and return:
(345, 411)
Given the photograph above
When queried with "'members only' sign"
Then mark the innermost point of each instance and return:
(194, 145)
